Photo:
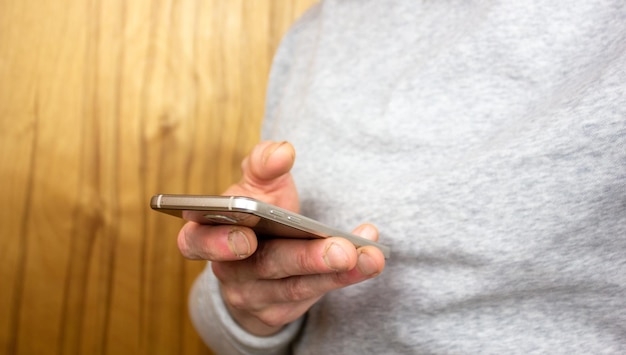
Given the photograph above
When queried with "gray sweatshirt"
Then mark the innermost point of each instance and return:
(487, 141)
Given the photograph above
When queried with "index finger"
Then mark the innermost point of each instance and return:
(216, 242)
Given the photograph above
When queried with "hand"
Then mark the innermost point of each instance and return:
(267, 284)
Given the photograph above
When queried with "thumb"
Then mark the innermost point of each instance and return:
(266, 175)
(268, 161)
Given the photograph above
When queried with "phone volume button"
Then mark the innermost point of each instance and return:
(277, 213)
(294, 219)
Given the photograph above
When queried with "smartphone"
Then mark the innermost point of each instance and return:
(265, 219)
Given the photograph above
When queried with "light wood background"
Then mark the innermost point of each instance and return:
(102, 104)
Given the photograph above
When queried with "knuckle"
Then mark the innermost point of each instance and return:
(340, 279)
(266, 271)
(265, 265)
(306, 263)
(271, 318)
(235, 298)
(297, 289)
(281, 314)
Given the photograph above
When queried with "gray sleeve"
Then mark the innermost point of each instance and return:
(220, 331)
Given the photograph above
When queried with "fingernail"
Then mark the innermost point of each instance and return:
(335, 257)
(271, 149)
(238, 243)
(366, 265)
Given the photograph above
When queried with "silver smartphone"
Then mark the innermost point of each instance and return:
(265, 219)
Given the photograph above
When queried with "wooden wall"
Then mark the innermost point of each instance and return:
(102, 104)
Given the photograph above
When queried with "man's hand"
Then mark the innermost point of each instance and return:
(267, 284)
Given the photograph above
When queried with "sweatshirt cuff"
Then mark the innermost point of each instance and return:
(207, 288)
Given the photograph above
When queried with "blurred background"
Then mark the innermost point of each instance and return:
(103, 104)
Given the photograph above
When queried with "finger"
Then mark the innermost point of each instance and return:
(370, 263)
(367, 231)
(216, 243)
(281, 258)
(258, 295)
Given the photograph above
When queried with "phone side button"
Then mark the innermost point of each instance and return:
(294, 219)
(277, 213)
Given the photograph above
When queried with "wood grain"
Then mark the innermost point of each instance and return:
(102, 104)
